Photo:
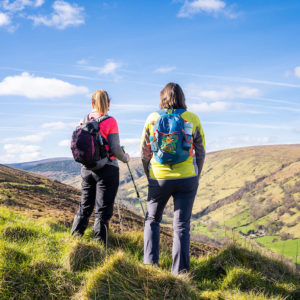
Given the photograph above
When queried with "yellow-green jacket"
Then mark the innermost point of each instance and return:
(189, 168)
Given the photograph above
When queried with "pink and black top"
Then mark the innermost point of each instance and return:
(110, 131)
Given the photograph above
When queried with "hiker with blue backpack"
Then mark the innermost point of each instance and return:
(96, 145)
(172, 152)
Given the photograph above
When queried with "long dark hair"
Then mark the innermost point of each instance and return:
(172, 96)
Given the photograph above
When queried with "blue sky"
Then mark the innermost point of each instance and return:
(237, 61)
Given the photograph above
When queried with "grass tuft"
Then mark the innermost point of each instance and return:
(83, 255)
(124, 278)
(40, 280)
(19, 233)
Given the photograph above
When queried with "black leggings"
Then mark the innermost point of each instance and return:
(98, 187)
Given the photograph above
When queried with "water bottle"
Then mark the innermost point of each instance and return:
(188, 130)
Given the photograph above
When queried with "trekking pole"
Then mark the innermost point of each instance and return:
(119, 213)
(136, 190)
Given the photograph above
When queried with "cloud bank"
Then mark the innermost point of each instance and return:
(32, 87)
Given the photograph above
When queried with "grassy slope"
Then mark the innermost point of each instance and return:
(274, 198)
(40, 260)
(38, 196)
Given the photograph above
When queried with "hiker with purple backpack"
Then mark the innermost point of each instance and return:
(96, 145)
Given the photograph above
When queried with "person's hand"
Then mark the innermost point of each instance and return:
(127, 157)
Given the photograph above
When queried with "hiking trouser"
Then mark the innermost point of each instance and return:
(99, 188)
(159, 192)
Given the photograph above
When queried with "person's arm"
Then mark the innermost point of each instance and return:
(113, 140)
(199, 146)
(146, 152)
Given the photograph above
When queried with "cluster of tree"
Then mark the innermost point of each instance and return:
(286, 236)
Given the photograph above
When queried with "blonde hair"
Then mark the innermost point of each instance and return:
(100, 100)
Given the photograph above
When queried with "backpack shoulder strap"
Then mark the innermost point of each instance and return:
(179, 111)
(162, 112)
(102, 118)
(85, 119)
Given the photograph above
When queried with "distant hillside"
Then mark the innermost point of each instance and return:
(252, 190)
(60, 169)
(67, 170)
(40, 260)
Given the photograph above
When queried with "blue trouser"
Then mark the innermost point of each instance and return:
(159, 192)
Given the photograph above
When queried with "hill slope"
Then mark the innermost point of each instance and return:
(254, 191)
(39, 196)
(40, 260)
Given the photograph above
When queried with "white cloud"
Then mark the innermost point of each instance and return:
(82, 61)
(297, 71)
(4, 19)
(227, 92)
(238, 141)
(19, 5)
(54, 125)
(32, 87)
(20, 153)
(110, 67)
(20, 148)
(254, 125)
(134, 107)
(39, 3)
(33, 138)
(165, 69)
(241, 79)
(59, 125)
(214, 7)
(64, 143)
(209, 107)
(132, 146)
(64, 15)
(131, 141)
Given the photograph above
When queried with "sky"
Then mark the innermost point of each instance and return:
(237, 61)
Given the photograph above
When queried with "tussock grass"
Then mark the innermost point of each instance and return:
(38, 280)
(18, 233)
(123, 278)
(238, 268)
(236, 295)
(82, 256)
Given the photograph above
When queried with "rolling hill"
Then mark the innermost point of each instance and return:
(252, 191)
(40, 260)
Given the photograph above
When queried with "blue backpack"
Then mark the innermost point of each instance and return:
(171, 139)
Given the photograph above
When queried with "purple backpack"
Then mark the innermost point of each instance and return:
(88, 146)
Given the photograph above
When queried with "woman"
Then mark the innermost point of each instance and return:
(99, 187)
(179, 180)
